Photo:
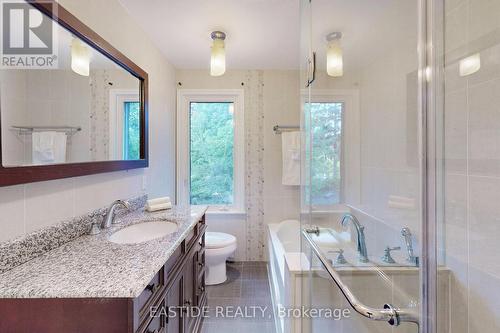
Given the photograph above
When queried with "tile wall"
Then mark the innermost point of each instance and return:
(471, 231)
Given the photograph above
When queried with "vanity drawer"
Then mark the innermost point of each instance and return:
(194, 234)
(190, 239)
(173, 263)
(148, 295)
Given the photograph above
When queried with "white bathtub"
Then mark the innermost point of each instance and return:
(285, 256)
(283, 243)
(287, 263)
(289, 269)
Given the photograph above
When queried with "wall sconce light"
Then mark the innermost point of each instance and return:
(80, 57)
(470, 65)
(334, 60)
(218, 55)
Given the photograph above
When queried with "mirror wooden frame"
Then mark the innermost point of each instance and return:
(29, 174)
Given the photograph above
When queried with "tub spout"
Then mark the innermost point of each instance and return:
(363, 253)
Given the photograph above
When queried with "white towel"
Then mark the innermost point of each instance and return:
(48, 147)
(291, 158)
(154, 205)
(158, 201)
(157, 207)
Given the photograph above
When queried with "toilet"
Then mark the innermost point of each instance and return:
(218, 247)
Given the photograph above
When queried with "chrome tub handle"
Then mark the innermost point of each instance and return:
(394, 316)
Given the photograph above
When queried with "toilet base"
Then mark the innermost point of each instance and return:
(216, 264)
(216, 274)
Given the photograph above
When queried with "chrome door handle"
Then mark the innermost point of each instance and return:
(394, 316)
(311, 69)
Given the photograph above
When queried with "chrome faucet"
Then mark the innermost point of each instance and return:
(387, 258)
(363, 253)
(110, 214)
(406, 233)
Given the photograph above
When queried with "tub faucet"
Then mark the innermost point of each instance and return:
(363, 253)
(110, 214)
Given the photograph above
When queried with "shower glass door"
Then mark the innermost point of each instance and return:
(361, 167)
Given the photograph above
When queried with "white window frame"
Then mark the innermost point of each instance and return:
(351, 137)
(184, 98)
(117, 100)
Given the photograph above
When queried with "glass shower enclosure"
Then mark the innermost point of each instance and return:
(400, 166)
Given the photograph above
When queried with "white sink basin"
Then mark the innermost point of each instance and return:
(143, 232)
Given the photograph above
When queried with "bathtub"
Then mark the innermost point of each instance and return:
(283, 243)
(287, 263)
(289, 273)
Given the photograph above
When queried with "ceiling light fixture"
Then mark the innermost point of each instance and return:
(80, 57)
(218, 56)
(334, 60)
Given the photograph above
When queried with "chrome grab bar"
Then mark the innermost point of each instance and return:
(394, 316)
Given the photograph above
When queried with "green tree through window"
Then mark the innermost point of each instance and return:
(326, 126)
(211, 153)
(132, 131)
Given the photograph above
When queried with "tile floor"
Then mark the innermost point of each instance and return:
(233, 303)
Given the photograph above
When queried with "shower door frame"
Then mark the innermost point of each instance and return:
(431, 87)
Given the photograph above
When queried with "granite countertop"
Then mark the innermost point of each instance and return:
(94, 267)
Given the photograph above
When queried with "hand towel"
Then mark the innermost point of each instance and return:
(291, 158)
(48, 147)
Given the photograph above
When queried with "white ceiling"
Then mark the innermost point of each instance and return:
(265, 34)
(261, 34)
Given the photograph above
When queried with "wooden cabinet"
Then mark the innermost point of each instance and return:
(180, 290)
(174, 298)
(162, 307)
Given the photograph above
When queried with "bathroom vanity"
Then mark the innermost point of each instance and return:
(94, 285)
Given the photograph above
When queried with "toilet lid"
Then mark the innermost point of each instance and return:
(216, 240)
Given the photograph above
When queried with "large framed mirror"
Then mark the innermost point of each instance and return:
(70, 103)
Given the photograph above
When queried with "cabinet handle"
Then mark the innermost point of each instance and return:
(201, 264)
(152, 287)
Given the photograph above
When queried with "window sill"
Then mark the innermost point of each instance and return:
(217, 212)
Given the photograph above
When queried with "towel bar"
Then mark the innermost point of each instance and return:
(280, 129)
(25, 130)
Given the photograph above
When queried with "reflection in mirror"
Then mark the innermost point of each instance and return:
(87, 109)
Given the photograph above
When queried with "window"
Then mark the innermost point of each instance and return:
(210, 157)
(332, 156)
(131, 131)
(211, 153)
(124, 125)
(326, 166)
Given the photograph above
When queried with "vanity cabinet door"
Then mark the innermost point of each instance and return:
(174, 299)
(189, 289)
(200, 269)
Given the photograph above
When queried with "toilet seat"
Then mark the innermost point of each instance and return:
(218, 240)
